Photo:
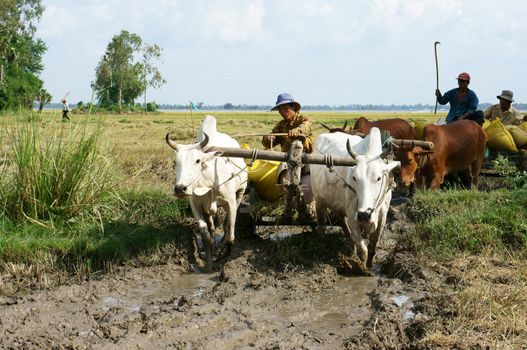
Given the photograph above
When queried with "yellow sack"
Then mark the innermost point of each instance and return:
(519, 136)
(486, 124)
(523, 126)
(263, 173)
(499, 138)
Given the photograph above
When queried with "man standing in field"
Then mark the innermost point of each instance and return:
(504, 110)
(65, 109)
(463, 101)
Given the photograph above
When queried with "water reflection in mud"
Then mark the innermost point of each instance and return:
(190, 285)
(337, 307)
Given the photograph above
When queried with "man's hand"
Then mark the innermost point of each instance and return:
(294, 133)
(438, 94)
(268, 138)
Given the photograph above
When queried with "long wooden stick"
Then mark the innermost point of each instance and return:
(271, 134)
(413, 143)
(437, 72)
(282, 156)
(191, 117)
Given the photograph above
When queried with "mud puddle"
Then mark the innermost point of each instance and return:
(337, 309)
(191, 285)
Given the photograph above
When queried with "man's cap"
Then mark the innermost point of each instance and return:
(506, 95)
(286, 98)
(464, 76)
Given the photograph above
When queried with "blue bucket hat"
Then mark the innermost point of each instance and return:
(285, 98)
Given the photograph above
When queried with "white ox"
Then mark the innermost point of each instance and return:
(360, 195)
(210, 181)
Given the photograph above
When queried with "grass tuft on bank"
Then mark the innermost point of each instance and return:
(61, 206)
(143, 224)
(55, 175)
(449, 222)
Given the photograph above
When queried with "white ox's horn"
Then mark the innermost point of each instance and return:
(203, 143)
(352, 153)
(171, 143)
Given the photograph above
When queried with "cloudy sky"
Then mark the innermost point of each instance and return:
(330, 52)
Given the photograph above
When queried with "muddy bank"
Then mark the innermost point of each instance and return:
(155, 308)
(267, 295)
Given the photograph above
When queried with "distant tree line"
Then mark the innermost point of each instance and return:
(350, 107)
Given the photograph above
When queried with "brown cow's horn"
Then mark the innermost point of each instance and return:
(344, 127)
(203, 143)
(352, 153)
(171, 143)
(327, 127)
(385, 153)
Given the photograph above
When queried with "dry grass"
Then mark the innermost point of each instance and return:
(488, 302)
(138, 141)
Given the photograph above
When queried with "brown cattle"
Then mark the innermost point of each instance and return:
(398, 129)
(459, 147)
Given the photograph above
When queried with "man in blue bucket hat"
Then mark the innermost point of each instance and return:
(297, 127)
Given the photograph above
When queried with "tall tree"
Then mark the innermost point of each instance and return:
(119, 76)
(20, 53)
(151, 75)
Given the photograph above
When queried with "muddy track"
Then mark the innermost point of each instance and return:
(255, 299)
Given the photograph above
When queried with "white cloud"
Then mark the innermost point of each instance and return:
(234, 22)
(327, 51)
(56, 21)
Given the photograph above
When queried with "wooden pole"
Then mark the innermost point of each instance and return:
(437, 72)
(281, 156)
(191, 117)
(413, 143)
(260, 134)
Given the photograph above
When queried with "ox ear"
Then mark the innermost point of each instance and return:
(392, 165)
(201, 191)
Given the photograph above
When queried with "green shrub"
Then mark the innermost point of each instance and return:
(54, 174)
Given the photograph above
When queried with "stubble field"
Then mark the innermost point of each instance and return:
(269, 294)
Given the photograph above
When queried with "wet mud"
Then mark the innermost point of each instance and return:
(258, 298)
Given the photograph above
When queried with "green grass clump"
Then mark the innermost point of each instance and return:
(453, 221)
(54, 175)
(142, 224)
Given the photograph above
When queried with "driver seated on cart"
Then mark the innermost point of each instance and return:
(297, 126)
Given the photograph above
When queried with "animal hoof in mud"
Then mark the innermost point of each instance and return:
(225, 251)
(352, 266)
